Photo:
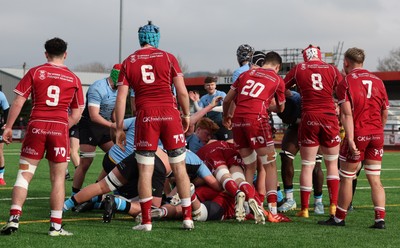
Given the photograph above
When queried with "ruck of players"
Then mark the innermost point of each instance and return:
(218, 161)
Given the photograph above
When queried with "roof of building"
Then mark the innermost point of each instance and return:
(87, 78)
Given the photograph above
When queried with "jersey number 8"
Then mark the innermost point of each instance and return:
(316, 81)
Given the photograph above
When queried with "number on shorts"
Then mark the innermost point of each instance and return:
(316, 81)
(147, 74)
(369, 83)
(252, 88)
(53, 92)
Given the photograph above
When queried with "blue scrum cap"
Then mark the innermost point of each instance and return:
(149, 34)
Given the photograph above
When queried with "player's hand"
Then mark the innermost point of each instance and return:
(185, 123)
(227, 122)
(353, 148)
(7, 135)
(216, 100)
(194, 96)
(120, 139)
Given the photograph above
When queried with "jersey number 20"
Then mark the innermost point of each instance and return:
(252, 88)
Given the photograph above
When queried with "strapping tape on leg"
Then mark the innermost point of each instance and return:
(200, 214)
(318, 158)
(24, 167)
(251, 158)
(146, 160)
(176, 155)
(87, 154)
(287, 154)
(347, 174)
(238, 175)
(112, 181)
(308, 163)
(328, 157)
(220, 173)
(372, 169)
(266, 159)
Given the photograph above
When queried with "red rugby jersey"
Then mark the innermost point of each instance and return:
(316, 81)
(54, 90)
(368, 97)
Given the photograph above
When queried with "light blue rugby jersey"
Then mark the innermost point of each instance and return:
(101, 95)
(206, 99)
(115, 153)
(3, 101)
(239, 71)
(193, 159)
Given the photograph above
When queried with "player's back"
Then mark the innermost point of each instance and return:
(255, 90)
(316, 81)
(368, 97)
(53, 91)
(150, 71)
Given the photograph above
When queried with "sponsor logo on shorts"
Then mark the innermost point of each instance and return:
(316, 123)
(368, 138)
(45, 132)
(241, 124)
(143, 143)
(29, 150)
(60, 151)
(337, 139)
(155, 119)
(307, 141)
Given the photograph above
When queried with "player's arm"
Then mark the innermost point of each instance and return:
(183, 100)
(120, 104)
(384, 116)
(195, 97)
(15, 109)
(346, 117)
(226, 106)
(74, 117)
(199, 114)
(94, 112)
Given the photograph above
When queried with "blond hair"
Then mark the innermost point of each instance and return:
(355, 55)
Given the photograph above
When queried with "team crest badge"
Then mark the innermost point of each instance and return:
(42, 74)
(133, 58)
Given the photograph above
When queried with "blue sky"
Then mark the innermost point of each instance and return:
(204, 34)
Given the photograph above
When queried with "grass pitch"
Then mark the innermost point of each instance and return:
(89, 231)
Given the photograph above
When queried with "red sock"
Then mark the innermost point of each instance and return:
(187, 212)
(247, 189)
(340, 213)
(379, 213)
(260, 199)
(333, 189)
(145, 206)
(305, 198)
(272, 196)
(15, 212)
(230, 186)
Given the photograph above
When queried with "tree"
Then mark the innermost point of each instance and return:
(91, 67)
(390, 63)
(224, 72)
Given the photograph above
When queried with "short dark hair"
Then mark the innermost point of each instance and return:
(273, 58)
(55, 47)
(211, 79)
